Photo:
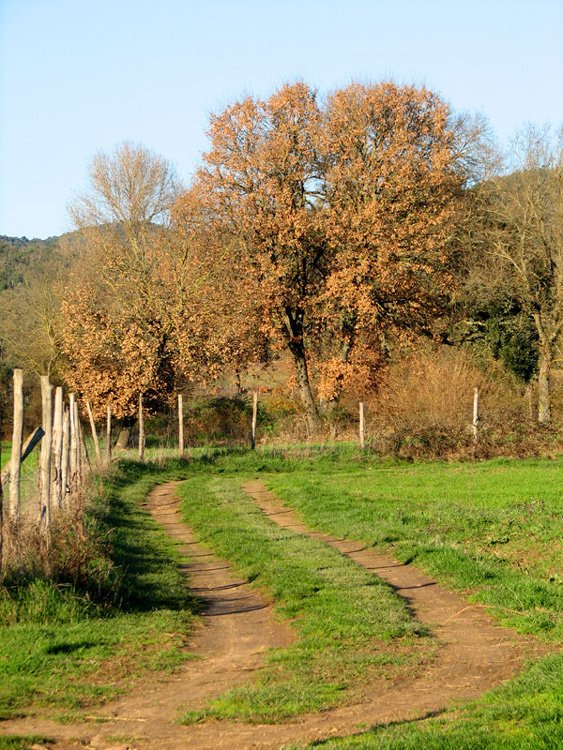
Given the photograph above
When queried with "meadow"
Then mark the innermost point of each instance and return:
(490, 530)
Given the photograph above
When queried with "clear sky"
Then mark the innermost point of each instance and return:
(77, 76)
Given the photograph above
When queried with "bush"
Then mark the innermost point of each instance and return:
(424, 409)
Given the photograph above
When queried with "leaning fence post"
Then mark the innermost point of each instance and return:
(45, 456)
(84, 458)
(475, 424)
(17, 438)
(94, 432)
(362, 432)
(56, 478)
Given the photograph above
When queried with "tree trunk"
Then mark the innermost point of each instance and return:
(124, 435)
(305, 390)
(544, 391)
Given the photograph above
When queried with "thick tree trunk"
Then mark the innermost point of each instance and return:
(544, 392)
(305, 390)
(123, 436)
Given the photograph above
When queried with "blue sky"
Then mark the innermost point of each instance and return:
(77, 76)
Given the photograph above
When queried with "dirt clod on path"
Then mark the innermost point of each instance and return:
(239, 625)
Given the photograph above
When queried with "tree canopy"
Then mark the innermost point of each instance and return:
(341, 213)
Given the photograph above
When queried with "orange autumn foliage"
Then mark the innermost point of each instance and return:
(337, 218)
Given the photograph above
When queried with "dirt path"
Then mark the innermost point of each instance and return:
(239, 625)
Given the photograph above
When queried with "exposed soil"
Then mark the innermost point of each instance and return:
(239, 626)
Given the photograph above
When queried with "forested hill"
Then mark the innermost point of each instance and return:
(18, 255)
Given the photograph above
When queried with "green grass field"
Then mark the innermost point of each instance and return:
(490, 530)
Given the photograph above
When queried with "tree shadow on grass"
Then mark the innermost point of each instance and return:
(145, 559)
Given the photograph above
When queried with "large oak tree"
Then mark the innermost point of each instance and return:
(338, 215)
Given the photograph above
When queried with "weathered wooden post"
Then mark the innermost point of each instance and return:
(94, 432)
(362, 432)
(17, 438)
(181, 425)
(73, 444)
(45, 456)
(254, 419)
(475, 424)
(141, 429)
(56, 478)
(83, 457)
(65, 456)
(108, 435)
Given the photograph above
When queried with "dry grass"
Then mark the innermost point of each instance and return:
(424, 409)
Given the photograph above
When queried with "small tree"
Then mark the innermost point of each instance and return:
(115, 336)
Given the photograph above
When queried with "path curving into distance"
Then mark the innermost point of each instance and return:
(239, 626)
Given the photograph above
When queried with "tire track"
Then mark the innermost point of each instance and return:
(474, 656)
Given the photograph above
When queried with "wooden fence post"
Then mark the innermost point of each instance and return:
(141, 429)
(362, 432)
(83, 457)
(56, 479)
(94, 432)
(45, 456)
(108, 435)
(475, 424)
(181, 425)
(254, 419)
(73, 444)
(17, 438)
(65, 457)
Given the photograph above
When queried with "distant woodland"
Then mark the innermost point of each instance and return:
(369, 245)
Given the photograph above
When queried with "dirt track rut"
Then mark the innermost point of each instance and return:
(239, 626)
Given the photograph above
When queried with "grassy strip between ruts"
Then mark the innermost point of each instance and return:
(71, 649)
(351, 627)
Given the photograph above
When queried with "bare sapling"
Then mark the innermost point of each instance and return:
(362, 426)
(17, 437)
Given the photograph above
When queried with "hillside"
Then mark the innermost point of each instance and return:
(18, 254)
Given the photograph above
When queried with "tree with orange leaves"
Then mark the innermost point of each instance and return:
(338, 214)
(115, 335)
